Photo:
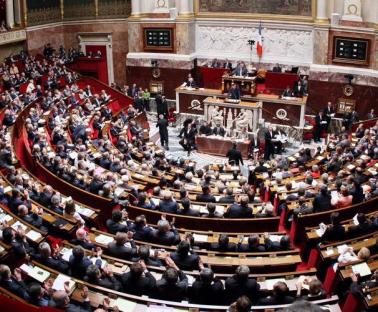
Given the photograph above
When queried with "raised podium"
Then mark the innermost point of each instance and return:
(246, 85)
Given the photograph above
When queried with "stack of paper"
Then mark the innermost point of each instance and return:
(35, 272)
(66, 253)
(200, 238)
(103, 239)
(362, 269)
(33, 235)
(61, 280)
(18, 224)
(124, 305)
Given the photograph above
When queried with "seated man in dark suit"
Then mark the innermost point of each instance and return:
(205, 129)
(322, 201)
(123, 246)
(187, 210)
(141, 231)
(173, 285)
(223, 244)
(168, 204)
(363, 227)
(13, 284)
(79, 262)
(282, 245)
(33, 219)
(253, 245)
(117, 223)
(184, 258)
(234, 92)
(277, 69)
(240, 285)
(61, 300)
(44, 257)
(82, 239)
(104, 279)
(287, 92)
(206, 196)
(229, 198)
(138, 281)
(315, 290)
(150, 260)
(165, 234)
(212, 213)
(218, 130)
(207, 289)
(335, 231)
(241, 210)
(280, 295)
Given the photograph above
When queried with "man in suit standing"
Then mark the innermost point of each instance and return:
(234, 155)
(329, 112)
(320, 126)
(218, 130)
(162, 124)
(254, 146)
(269, 146)
(371, 114)
(227, 65)
(234, 92)
(277, 69)
(161, 105)
(138, 281)
(298, 89)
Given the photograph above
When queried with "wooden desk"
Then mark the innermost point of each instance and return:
(220, 146)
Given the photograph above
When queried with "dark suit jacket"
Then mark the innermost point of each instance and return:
(235, 156)
(230, 247)
(322, 203)
(169, 206)
(176, 292)
(189, 262)
(237, 211)
(141, 233)
(235, 289)
(17, 288)
(168, 238)
(202, 293)
(234, 93)
(122, 252)
(138, 286)
(228, 199)
(219, 131)
(114, 227)
(57, 264)
(205, 198)
(334, 233)
(276, 300)
(79, 268)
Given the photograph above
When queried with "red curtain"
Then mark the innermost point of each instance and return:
(102, 71)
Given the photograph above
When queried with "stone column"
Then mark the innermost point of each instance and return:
(321, 11)
(17, 11)
(185, 7)
(135, 7)
(9, 13)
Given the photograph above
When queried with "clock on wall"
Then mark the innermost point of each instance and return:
(160, 4)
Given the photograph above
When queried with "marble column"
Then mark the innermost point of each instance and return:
(185, 7)
(321, 11)
(17, 11)
(9, 13)
(135, 7)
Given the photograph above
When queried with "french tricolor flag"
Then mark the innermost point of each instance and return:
(260, 42)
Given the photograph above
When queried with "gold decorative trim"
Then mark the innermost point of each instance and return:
(25, 13)
(322, 21)
(294, 18)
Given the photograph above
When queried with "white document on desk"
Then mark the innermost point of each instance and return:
(362, 269)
